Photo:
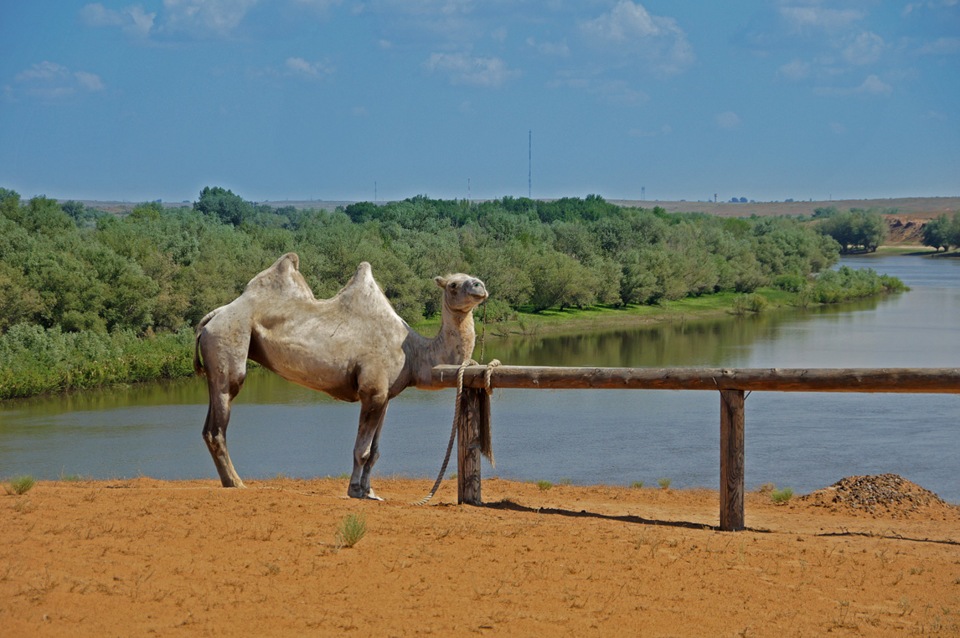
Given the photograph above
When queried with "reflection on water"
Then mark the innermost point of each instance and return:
(711, 342)
(804, 441)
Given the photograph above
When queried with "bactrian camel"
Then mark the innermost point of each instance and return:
(352, 346)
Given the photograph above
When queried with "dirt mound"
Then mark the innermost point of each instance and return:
(880, 496)
(903, 230)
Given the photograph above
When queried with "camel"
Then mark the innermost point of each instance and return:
(353, 346)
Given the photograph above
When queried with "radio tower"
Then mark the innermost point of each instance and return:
(530, 164)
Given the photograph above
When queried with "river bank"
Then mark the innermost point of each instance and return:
(35, 361)
(134, 557)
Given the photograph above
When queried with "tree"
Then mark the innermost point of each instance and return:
(936, 233)
(856, 230)
(223, 204)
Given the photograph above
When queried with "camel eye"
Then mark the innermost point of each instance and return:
(453, 286)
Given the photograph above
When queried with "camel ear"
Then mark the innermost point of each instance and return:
(442, 282)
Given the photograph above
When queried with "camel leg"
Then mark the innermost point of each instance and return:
(372, 458)
(225, 376)
(215, 436)
(365, 453)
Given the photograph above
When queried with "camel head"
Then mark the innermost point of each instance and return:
(462, 292)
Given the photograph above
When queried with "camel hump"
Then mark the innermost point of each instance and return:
(362, 294)
(283, 277)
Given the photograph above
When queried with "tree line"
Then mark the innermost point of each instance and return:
(82, 276)
(159, 269)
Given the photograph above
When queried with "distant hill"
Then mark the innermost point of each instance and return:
(918, 208)
(915, 208)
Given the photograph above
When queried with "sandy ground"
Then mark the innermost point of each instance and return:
(188, 558)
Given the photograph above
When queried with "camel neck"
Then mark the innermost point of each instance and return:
(451, 346)
(457, 337)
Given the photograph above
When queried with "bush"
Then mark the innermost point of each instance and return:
(21, 485)
(351, 529)
(790, 283)
(753, 302)
(781, 496)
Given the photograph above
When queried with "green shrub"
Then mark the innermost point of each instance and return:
(781, 496)
(664, 483)
(544, 485)
(790, 283)
(21, 485)
(742, 304)
(351, 529)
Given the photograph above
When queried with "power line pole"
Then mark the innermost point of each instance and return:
(530, 164)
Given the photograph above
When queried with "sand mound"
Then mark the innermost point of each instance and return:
(879, 495)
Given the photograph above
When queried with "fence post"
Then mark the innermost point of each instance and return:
(468, 446)
(731, 460)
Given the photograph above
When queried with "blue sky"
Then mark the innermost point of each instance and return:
(344, 100)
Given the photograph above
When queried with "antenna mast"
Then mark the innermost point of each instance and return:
(530, 164)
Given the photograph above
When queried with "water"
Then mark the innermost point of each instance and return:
(799, 440)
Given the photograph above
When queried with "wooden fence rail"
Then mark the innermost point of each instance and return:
(730, 383)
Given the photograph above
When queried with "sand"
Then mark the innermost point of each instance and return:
(189, 558)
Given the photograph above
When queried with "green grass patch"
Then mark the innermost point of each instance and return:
(20, 485)
(781, 496)
(351, 529)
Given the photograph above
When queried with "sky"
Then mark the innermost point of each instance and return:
(386, 99)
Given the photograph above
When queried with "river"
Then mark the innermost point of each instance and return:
(804, 441)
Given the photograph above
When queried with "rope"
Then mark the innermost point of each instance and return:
(483, 330)
(486, 446)
(453, 436)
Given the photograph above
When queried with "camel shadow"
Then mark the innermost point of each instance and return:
(510, 506)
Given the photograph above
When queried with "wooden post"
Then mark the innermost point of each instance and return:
(468, 446)
(731, 460)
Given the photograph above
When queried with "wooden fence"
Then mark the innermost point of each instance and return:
(732, 384)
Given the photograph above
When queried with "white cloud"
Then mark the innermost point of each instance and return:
(794, 70)
(631, 31)
(300, 67)
(204, 16)
(803, 18)
(49, 80)
(133, 20)
(615, 92)
(728, 120)
(872, 85)
(466, 69)
(933, 5)
(450, 20)
(318, 5)
(864, 48)
(559, 49)
(941, 46)
(88, 81)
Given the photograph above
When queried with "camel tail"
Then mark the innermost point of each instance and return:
(197, 361)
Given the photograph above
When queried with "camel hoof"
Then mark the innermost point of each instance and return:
(355, 491)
